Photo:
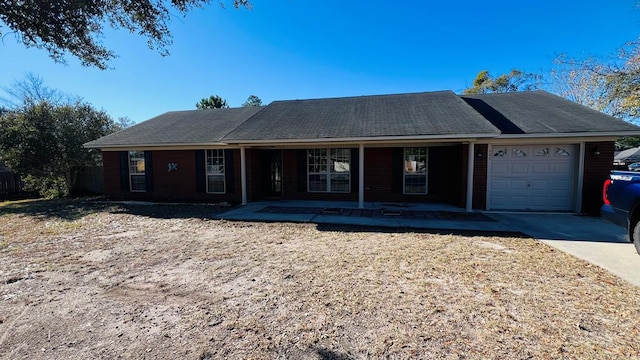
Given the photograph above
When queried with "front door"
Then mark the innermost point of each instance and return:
(272, 173)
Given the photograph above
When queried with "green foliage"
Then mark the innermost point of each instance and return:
(212, 102)
(44, 143)
(75, 27)
(515, 80)
(49, 187)
(628, 142)
(252, 100)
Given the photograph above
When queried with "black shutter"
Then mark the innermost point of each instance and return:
(302, 170)
(228, 171)
(355, 170)
(397, 170)
(200, 173)
(148, 171)
(124, 171)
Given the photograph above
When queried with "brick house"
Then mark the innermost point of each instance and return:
(530, 151)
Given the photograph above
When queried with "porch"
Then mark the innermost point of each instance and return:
(379, 214)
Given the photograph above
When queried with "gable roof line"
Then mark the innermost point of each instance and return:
(362, 96)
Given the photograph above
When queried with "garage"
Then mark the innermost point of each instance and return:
(532, 177)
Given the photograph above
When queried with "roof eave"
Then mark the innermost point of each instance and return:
(163, 145)
(362, 139)
(572, 134)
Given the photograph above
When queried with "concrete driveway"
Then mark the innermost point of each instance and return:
(589, 238)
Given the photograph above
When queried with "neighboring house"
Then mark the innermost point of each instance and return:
(511, 151)
(627, 157)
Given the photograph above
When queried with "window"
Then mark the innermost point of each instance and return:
(137, 178)
(215, 171)
(329, 170)
(415, 170)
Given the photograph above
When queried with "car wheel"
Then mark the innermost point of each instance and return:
(636, 236)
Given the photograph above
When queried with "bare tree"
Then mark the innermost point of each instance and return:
(32, 90)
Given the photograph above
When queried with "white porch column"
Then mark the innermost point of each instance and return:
(470, 164)
(243, 174)
(361, 176)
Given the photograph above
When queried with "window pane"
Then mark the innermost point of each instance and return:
(415, 184)
(215, 162)
(136, 162)
(138, 183)
(318, 182)
(415, 160)
(317, 160)
(340, 182)
(340, 160)
(215, 183)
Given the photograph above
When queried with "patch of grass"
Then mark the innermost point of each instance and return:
(15, 202)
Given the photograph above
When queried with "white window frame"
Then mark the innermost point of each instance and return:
(137, 156)
(329, 168)
(407, 173)
(216, 169)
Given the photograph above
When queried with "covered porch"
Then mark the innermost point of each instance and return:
(367, 174)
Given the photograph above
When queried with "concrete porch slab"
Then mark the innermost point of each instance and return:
(392, 215)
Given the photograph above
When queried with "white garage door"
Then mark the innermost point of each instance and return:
(535, 177)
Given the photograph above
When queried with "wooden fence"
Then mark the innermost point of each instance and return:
(90, 180)
(9, 184)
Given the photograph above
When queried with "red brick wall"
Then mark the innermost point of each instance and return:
(174, 184)
(111, 164)
(596, 171)
(480, 177)
(444, 174)
(179, 185)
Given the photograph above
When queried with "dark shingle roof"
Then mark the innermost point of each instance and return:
(440, 114)
(539, 112)
(419, 114)
(180, 127)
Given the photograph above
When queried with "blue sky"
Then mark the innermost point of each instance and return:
(299, 49)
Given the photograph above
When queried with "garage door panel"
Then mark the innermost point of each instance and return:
(515, 199)
(542, 184)
(541, 168)
(499, 184)
(561, 168)
(532, 177)
(518, 185)
(519, 168)
(500, 168)
(561, 185)
(538, 201)
(500, 201)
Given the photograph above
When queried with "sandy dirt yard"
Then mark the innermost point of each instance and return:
(86, 280)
